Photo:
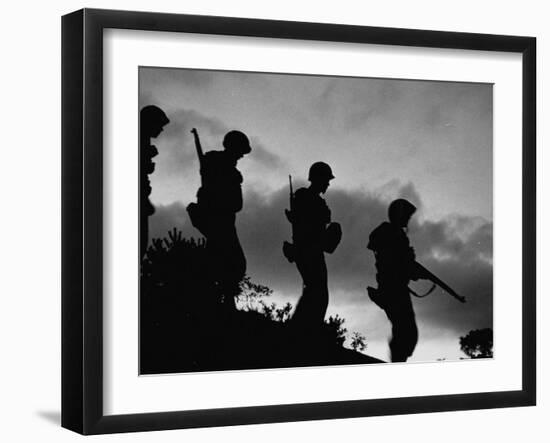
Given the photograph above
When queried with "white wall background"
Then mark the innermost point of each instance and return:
(30, 278)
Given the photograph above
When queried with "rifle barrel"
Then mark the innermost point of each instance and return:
(435, 279)
(198, 145)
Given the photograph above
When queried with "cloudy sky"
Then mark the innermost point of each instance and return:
(429, 142)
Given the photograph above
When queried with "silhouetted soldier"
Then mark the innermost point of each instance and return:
(152, 120)
(313, 234)
(219, 199)
(396, 267)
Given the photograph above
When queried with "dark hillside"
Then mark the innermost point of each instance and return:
(184, 328)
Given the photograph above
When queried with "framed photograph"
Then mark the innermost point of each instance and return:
(269, 221)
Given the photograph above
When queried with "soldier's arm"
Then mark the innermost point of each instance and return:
(205, 165)
(237, 198)
(409, 258)
(233, 188)
(299, 205)
(325, 213)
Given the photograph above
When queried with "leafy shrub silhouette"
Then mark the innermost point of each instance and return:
(478, 343)
(358, 342)
(335, 330)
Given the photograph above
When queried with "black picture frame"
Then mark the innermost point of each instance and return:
(82, 216)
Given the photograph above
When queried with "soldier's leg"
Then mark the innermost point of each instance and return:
(237, 271)
(410, 330)
(232, 268)
(312, 305)
(404, 329)
(144, 235)
(214, 254)
(397, 349)
(320, 289)
(303, 306)
(401, 315)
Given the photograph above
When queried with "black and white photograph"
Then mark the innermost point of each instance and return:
(294, 220)
(266, 222)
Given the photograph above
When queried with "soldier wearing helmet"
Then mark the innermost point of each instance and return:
(152, 120)
(395, 267)
(310, 218)
(220, 198)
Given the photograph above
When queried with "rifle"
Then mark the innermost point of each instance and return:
(427, 275)
(196, 213)
(291, 201)
(288, 248)
(198, 146)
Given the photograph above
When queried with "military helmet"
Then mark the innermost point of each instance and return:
(400, 210)
(320, 171)
(152, 118)
(237, 141)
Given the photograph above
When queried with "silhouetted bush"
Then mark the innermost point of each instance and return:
(358, 342)
(335, 330)
(478, 343)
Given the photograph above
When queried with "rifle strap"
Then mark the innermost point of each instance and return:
(423, 295)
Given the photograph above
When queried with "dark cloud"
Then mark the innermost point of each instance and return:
(183, 120)
(373, 102)
(457, 249)
(412, 119)
(176, 77)
(264, 157)
(147, 98)
(463, 259)
(355, 104)
(177, 146)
